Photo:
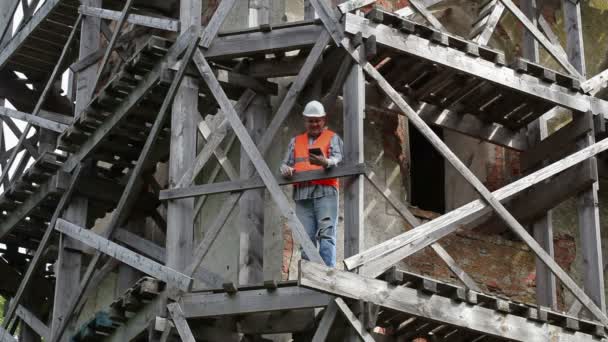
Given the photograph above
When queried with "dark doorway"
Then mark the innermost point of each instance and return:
(427, 173)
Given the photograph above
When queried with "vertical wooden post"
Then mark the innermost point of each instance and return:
(354, 106)
(180, 213)
(542, 229)
(587, 201)
(251, 205)
(69, 262)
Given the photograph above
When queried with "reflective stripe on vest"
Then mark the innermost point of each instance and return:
(301, 158)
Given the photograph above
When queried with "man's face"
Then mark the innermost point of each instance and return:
(314, 126)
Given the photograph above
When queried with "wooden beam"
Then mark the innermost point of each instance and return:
(140, 245)
(354, 194)
(327, 14)
(459, 61)
(472, 126)
(329, 316)
(245, 302)
(354, 322)
(181, 325)
(491, 23)
(257, 183)
(546, 27)
(38, 121)
(33, 322)
(213, 27)
(256, 157)
(166, 24)
(124, 255)
(251, 43)
(596, 83)
(251, 204)
(541, 38)
(427, 15)
(112, 43)
(432, 307)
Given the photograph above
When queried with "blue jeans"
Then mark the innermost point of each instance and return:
(320, 217)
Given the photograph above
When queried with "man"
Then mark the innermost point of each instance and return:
(316, 201)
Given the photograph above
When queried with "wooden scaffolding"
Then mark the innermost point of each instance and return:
(99, 161)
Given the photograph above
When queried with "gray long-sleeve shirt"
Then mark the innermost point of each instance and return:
(309, 191)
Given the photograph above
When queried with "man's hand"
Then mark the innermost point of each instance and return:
(287, 171)
(318, 160)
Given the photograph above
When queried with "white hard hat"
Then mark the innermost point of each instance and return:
(314, 109)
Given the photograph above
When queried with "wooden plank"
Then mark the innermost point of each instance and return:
(279, 39)
(329, 316)
(220, 154)
(353, 320)
(33, 322)
(166, 24)
(213, 27)
(493, 18)
(541, 38)
(124, 255)
(427, 15)
(256, 157)
(477, 185)
(502, 76)
(205, 305)
(257, 183)
(435, 307)
(38, 121)
(33, 151)
(181, 325)
(351, 5)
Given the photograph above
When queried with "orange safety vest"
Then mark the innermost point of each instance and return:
(301, 156)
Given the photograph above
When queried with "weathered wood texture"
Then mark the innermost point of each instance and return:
(479, 187)
(433, 307)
